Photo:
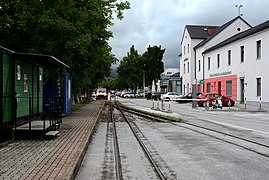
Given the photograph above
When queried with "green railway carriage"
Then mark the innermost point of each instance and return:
(21, 88)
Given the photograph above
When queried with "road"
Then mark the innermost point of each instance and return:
(257, 122)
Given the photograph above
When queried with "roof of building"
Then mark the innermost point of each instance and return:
(177, 74)
(45, 60)
(199, 31)
(6, 50)
(221, 28)
(256, 29)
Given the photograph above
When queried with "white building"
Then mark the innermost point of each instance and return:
(231, 60)
(192, 36)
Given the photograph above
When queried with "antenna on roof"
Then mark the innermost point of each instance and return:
(238, 9)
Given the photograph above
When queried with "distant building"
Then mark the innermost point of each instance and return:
(171, 83)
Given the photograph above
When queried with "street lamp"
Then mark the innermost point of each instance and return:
(144, 92)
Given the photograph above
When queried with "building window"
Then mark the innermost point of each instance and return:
(242, 53)
(188, 48)
(208, 63)
(229, 57)
(184, 50)
(218, 60)
(259, 47)
(188, 86)
(259, 86)
(208, 85)
(188, 67)
(184, 68)
(228, 88)
(199, 65)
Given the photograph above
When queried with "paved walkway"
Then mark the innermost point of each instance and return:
(51, 159)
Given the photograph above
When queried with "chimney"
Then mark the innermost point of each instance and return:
(210, 30)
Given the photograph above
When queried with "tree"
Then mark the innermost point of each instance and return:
(133, 66)
(74, 31)
(130, 68)
(153, 63)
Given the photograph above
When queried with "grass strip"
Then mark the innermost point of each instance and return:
(168, 118)
(77, 106)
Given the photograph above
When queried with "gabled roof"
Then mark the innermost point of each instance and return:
(258, 28)
(199, 31)
(219, 30)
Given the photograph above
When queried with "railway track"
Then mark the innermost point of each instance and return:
(135, 130)
(248, 144)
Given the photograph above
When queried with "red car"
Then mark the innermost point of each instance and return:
(213, 96)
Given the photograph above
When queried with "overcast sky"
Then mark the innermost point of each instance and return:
(161, 22)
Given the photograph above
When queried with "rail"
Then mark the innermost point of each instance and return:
(144, 148)
(262, 148)
(116, 145)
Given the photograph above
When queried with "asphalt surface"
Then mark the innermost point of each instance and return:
(58, 158)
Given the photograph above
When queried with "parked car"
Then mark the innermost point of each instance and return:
(157, 95)
(129, 95)
(186, 98)
(213, 96)
(118, 93)
(170, 96)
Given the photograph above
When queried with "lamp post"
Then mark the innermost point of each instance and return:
(203, 72)
(144, 92)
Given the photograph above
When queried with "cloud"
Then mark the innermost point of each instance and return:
(159, 22)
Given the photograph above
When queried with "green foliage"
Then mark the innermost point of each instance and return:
(153, 63)
(74, 31)
(133, 67)
(157, 117)
(77, 106)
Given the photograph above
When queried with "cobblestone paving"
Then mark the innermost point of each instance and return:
(51, 159)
